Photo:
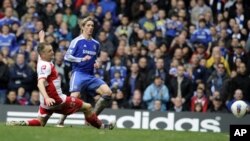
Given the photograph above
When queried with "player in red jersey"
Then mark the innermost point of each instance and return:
(51, 97)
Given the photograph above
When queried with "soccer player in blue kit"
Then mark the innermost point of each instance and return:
(82, 53)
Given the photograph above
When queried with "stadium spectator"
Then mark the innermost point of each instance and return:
(70, 18)
(217, 106)
(158, 71)
(109, 30)
(9, 17)
(158, 106)
(63, 32)
(197, 72)
(5, 53)
(108, 6)
(58, 20)
(173, 67)
(117, 82)
(133, 57)
(11, 98)
(120, 53)
(238, 95)
(83, 12)
(181, 86)
(63, 46)
(47, 15)
(199, 97)
(160, 21)
(8, 39)
(239, 53)
(217, 78)
(198, 107)
(151, 54)
(158, 38)
(178, 106)
(143, 66)
(173, 27)
(22, 96)
(180, 41)
(31, 11)
(32, 60)
(4, 78)
(136, 101)
(214, 95)
(202, 35)
(109, 17)
(120, 99)
(29, 23)
(133, 81)
(34, 98)
(200, 8)
(21, 75)
(157, 90)
(106, 44)
(241, 81)
(215, 59)
(177, 55)
(63, 69)
(248, 39)
(147, 23)
(124, 28)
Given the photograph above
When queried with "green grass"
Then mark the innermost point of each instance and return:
(76, 133)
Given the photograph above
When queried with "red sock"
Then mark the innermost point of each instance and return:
(34, 122)
(94, 121)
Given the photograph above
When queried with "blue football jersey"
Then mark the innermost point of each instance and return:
(78, 49)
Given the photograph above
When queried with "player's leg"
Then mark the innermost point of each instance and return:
(105, 98)
(61, 120)
(41, 120)
(75, 87)
(92, 118)
(73, 105)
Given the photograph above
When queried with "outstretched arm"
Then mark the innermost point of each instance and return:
(41, 85)
(69, 56)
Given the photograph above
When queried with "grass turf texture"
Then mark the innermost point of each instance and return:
(78, 133)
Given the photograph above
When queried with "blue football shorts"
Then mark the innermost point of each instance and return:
(84, 82)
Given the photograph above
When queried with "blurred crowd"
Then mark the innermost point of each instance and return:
(157, 55)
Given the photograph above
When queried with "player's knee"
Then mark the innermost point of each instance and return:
(75, 94)
(107, 92)
(104, 90)
(87, 107)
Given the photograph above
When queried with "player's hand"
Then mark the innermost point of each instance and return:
(50, 101)
(41, 36)
(86, 58)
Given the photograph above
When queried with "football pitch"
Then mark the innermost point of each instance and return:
(80, 133)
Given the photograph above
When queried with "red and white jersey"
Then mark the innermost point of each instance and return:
(46, 70)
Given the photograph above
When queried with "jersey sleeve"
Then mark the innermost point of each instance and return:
(69, 56)
(43, 70)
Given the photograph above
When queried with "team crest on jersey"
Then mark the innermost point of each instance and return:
(84, 45)
(43, 68)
